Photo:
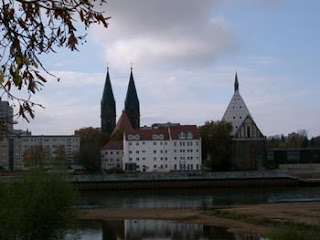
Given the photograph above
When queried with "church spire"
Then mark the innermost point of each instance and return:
(132, 106)
(108, 107)
(236, 83)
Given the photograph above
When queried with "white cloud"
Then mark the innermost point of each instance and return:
(164, 34)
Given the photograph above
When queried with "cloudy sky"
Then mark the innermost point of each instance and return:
(185, 54)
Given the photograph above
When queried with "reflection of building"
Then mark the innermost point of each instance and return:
(159, 229)
(174, 148)
(248, 147)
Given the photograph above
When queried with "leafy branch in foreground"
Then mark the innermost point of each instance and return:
(30, 28)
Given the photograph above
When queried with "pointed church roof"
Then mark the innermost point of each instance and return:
(237, 110)
(123, 124)
(132, 95)
(107, 96)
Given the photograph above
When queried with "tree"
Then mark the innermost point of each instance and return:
(34, 156)
(40, 206)
(216, 141)
(91, 142)
(31, 28)
(60, 157)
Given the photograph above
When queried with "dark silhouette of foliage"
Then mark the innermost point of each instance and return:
(91, 142)
(216, 141)
(39, 206)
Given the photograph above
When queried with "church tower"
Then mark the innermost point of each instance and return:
(131, 105)
(248, 143)
(108, 107)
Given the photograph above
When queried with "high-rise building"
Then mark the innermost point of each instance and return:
(6, 116)
(248, 145)
(108, 107)
(132, 106)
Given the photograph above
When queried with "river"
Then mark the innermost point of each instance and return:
(154, 229)
(183, 198)
(178, 198)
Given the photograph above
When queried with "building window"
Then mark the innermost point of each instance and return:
(154, 143)
(248, 132)
(154, 151)
(137, 143)
(137, 152)
(137, 159)
(181, 135)
(154, 166)
(130, 143)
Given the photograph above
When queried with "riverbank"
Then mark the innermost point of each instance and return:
(237, 218)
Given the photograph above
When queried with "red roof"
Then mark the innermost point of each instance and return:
(113, 145)
(153, 134)
(176, 130)
(123, 124)
(149, 134)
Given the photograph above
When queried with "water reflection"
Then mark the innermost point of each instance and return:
(193, 198)
(153, 229)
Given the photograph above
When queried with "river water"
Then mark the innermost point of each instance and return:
(158, 229)
(194, 198)
(154, 229)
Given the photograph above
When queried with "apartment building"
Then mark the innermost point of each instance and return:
(176, 148)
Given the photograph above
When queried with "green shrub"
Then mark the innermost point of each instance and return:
(39, 207)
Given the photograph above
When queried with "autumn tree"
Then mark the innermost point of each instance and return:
(34, 156)
(60, 157)
(216, 141)
(91, 142)
(31, 28)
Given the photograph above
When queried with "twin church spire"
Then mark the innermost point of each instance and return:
(108, 106)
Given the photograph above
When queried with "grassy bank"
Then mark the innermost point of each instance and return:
(278, 229)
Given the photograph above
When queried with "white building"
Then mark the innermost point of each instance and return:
(162, 150)
(111, 155)
(64, 147)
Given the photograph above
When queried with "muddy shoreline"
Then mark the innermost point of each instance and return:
(307, 213)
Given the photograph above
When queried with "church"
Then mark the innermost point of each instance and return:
(108, 108)
(248, 148)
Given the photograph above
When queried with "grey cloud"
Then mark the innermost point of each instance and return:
(174, 33)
